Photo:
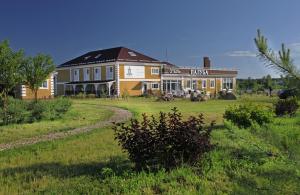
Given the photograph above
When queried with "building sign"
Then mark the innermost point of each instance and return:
(199, 72)
(134, 72)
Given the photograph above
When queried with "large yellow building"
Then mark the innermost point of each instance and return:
(119, 71)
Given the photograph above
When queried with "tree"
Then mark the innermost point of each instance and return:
(36, 70)
(10, 72)
(282, 62)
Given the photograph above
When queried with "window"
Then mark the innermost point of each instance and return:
(98, 56)
(203, 83)
(44, 85)
(227, 83)
(131, 53)
(86, 57)
(155, 70)
(86, 74)
(194, 86)
(109, 72)
(172, 85)
(212, 83)
(76, 75)
(97, 73)
(188, 84)
(154, 86)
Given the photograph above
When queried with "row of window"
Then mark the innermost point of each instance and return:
(97, 73)
(173, 85)
(109, 73)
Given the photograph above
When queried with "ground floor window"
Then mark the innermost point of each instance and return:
(171, 85)
(212, 83)
(203, 83)
(154, 86)
(227, 83)
(44, 85)
(194, 85)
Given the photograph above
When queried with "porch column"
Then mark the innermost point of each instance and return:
(84, 87)
(74, 89)
(96, 87)
(64, 89)
(108, 85)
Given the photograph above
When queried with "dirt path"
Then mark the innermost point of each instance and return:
(119, 115)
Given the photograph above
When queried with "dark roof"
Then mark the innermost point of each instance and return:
(110, 55)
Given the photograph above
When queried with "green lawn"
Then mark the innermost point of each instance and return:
(79, 115)
(262, 160)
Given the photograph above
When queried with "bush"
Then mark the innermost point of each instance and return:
(37, 110)
(287, 106)
(245, 115)
(165, 142)
(16, 112)
(226, 95)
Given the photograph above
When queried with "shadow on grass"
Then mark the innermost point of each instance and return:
(99, 170)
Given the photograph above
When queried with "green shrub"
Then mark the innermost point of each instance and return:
(287, 106)
(15, 113)
(245, 115)
(166, 142)
(37, 110)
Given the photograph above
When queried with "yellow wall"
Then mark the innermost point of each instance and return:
(134, 88)
(41, 94)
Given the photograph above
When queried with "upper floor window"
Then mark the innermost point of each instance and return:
(86, 74)
(155, 71)
(109, 72)
(76, 75)
(97, 73)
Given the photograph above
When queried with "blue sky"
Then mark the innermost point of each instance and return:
(223, 30)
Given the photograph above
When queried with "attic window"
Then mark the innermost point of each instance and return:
(98, 56)
(131, 53)
(86, 57)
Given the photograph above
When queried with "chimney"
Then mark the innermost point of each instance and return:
(206, 62)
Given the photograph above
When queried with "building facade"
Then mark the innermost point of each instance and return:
(46, 90)
(122, 71)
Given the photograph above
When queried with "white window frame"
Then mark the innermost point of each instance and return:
(76, 78)
(155, 88)
(204, 87)
(212, 80)
(86, 75)
(109, 73)
(42, 87)
(194, 84)
(153, 70)
(99, 72)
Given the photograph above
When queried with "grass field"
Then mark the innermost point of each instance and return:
(79, 115)
(94, 163)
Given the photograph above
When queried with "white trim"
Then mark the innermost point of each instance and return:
(109, 77)
(78, 76)
(117, 78)
(23, 90)
(52, 84)
(47, 80)
(99, 72)
(153, 87)
(155, 68)
(86, 76)
(141, 80)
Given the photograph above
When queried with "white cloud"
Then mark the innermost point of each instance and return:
(295, 49)
(240, 54)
